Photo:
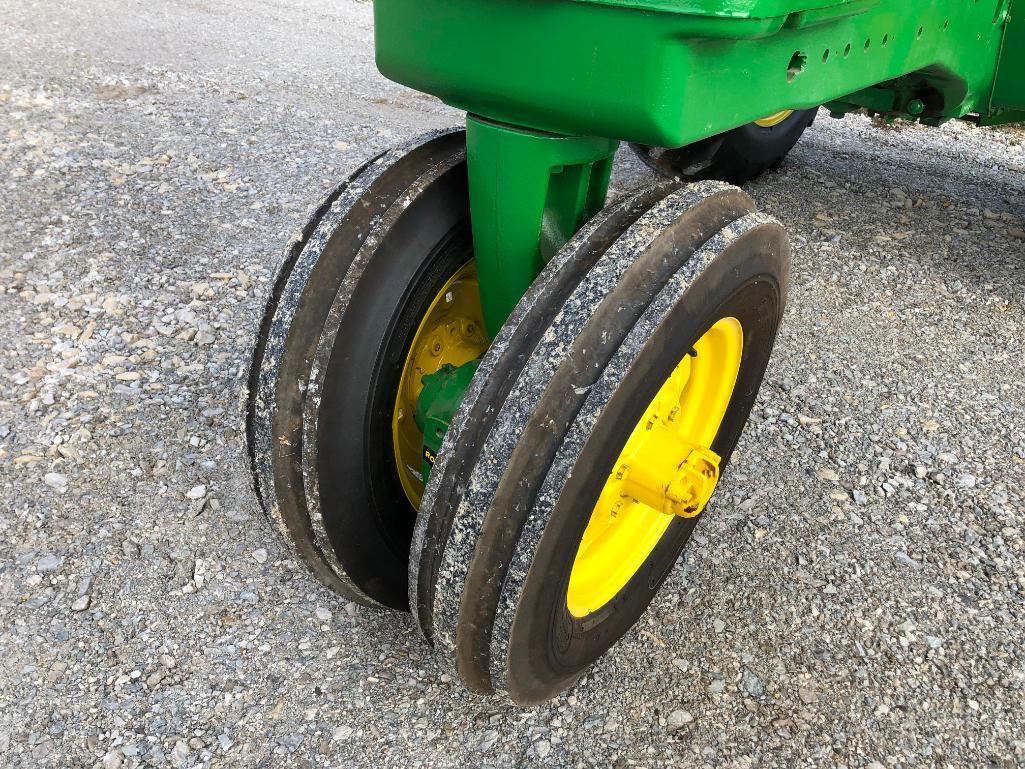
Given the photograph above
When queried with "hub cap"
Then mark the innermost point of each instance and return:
(666, 469)
(451, 333)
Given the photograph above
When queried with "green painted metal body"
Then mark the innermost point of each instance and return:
(551, 86)
(668, 72)
(1008, 102)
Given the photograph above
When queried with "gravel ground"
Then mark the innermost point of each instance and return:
(853, 599)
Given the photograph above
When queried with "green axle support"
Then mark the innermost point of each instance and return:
(529, 194)
(552, 86)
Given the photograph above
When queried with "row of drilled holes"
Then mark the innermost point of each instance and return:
(798, 60)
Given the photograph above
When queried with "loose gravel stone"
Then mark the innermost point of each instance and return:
(48, 562)
(80, 604)
(753, 684)
(678, 719)
(55, 481)
(196, 492)
(148, 192)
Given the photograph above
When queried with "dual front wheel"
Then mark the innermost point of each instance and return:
(585, 448)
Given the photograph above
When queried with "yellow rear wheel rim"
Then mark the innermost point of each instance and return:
(774, 119)
(666, 469)
(451, 332)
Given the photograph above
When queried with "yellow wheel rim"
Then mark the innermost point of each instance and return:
(774, 119)
(666, 469)
(451, 332)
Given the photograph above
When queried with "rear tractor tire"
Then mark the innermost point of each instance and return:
(737, 156)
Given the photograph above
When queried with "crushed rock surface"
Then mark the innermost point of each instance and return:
(854, 598)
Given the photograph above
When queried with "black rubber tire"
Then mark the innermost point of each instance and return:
(500, 497)
(736, 157)
(506, 356)
(344, 300)
(543, 647)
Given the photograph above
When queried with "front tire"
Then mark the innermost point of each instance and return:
(527, 457)
(350, 300)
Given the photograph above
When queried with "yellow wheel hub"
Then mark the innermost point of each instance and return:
(451, 332)
(666, 469)
(774, 119)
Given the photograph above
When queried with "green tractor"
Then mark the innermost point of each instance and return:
(483, 396)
